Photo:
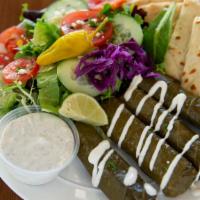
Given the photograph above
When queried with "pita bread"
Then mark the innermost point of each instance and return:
(153, 9)
(191, 74)
(142, 2)
(175, 57)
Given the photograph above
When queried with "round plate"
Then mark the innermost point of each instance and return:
(74, 183)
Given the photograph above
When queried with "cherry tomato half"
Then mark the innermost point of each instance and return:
(79, 20)
(12, 38)
(5, 59)
(20, 70)
(99, 4)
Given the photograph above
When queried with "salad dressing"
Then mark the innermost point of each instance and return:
(37, 142)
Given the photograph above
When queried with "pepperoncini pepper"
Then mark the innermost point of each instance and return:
(70, 45)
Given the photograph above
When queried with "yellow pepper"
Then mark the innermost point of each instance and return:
(70, 45)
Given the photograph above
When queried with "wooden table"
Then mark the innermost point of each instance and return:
(9, 15)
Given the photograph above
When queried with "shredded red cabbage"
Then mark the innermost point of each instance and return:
(105, 66)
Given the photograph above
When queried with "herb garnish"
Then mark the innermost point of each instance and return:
(112, 165)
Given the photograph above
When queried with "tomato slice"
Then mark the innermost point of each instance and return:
(99, 4)
(20, 70)
(5, 59)
(12, 38)
(79, 20)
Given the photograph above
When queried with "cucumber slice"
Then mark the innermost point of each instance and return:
(60, 8)
(65, 72)
(125, 28)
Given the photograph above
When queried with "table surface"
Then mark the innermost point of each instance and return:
(9, 15)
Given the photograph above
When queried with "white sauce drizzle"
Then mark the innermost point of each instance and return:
(133, 86)
(150, 190)
(177, 103)
(141, 141)
(131, 176)
(174, 163)
(115, 119)
(125, 130)
(197, 177)
(158, 85)
(145, 149)
(94, 158)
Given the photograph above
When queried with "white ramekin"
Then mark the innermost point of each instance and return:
(33, 177)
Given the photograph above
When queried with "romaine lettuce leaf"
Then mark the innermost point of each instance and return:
(49, 91)
(7, 101)
(158, 34)
(44, 35)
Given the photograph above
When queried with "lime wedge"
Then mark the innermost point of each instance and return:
(84, 108)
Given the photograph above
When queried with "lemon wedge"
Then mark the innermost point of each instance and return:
(84, 108)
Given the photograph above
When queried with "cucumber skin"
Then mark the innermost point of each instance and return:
(64, 72)
(125, 28)
(64, 7)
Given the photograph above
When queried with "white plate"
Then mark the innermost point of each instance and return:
(73, 184)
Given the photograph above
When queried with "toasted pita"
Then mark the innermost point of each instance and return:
(153, 9)
(142, 2)
(191, 73)
(178, 46)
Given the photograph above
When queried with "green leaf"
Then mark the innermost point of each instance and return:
(149, 32)
(107, 94)
(49, 91)
(163, 34)
(139, 19)
(45, 34)
(158, 34)
(106, 9)
(128, 9)
(29, 50)
(7, 101)
(160, 68)
(29, 26)
(24, 8)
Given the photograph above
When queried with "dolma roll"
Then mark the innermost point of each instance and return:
(171, 171)
(115, 169)
(191, 108)
(180, 134)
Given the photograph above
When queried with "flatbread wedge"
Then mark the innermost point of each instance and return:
(178, 46)
(191, 74)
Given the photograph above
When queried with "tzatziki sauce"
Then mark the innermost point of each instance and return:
(37, 142)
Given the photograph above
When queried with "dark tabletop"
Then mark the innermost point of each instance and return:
(9, 15)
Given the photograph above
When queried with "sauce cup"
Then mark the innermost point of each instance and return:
(33, 177)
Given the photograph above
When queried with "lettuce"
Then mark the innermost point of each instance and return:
(158, 34)
(49, 91)
(7, 101)
(44, 35)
